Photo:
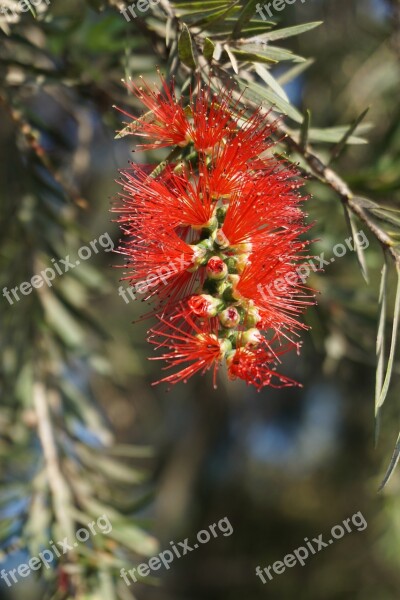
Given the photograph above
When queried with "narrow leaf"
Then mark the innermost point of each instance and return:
(380, 349)
(253, 57)
(338, 149)
(333, 135)
(232, 58)
(185, 48)
(295, 71)
(244, 17)
(393, 464)
(272, 52)
(279, 34)
(208, 49)
(263, 94)
(304, 129)
(389, 369)
(359, 250)
(270, 80)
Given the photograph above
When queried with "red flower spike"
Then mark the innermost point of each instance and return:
(257, 367)
(200, 350)
(205, 121)
(262, 205)
(167, 201)
(216, 241)
(160, 267)
(272, 282)
(167, 122)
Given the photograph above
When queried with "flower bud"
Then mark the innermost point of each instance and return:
(221, 240)
(199, 253)
(226, 347)
(205, 305)
(242, 260)
(245, 247)
(251, 338)
(229, 317)
(216, 268)
(253, 317)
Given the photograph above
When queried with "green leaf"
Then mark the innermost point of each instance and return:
(112, 469)
(106, 585)
(334, 135)
(250, 31)
(270, 81)
(185, 48)
(338, 149)
(280, 34)
(32, 10)
(262, 94)
(252, 57)
(386, 215)
(208, 49)
(305, 129)
(393, 464)
(216, 18)
(244, 17)
(274, 53)
(232, 58)
(389, 370)
(295, 71)
(380, 348)
(359, 250)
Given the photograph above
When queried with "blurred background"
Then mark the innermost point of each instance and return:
(280, 465)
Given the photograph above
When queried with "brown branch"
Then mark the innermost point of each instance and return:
(340, 187)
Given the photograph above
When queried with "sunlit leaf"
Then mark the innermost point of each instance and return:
(185, 48)
(337, 150)
(393, 464)
(389, 369)
(380, 348)
(263, 94)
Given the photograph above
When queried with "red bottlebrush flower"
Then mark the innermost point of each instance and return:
(257, 366)
(166, 121)
(160, 267)
(204, 121)
(233, 159)
(216, 238)
(261, 206)
(168, 201)
(271, 279)
(197, 350)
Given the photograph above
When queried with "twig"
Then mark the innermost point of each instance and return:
(334, 181)
(59, 489)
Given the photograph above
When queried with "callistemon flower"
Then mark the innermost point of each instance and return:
(214, 238)
(203, 121)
